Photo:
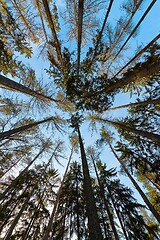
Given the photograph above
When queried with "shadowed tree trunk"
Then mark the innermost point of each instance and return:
(93, 221)
(80, 22)
(54, 211)
(14, 182)
(110, 215)
(145, 199)
(11, 132)
(51, 24)
(14, 86)
(119, 218)
(145, 72)
(144, 103)
(9, 234)
(152, 136)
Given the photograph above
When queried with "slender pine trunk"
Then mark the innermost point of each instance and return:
(9, 215)
(151, 180)
(80, 23)
(142, 194)
(13, 225)
(77, 210)
(152, 136)
(93, 221)
(51, 24)
(144, 103)
(55, 208)
(14, 182)
(14, 86)
(14, 131)
(110, 215)
(118, 215)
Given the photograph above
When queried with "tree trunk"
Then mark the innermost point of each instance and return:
(51, 24)
(14, 86)
(110, 215)
(14, 182)
(80, 22)
(77, 210)
(145, 72)
(102, 29)
(122, 32)
(142, 194)
(144, 103)
(152, 136)
(93, 221)
(9, 215)
(152, 69)
(151, 180)
(54, 211)
(13, 225)
(117, 212)
(11, 132)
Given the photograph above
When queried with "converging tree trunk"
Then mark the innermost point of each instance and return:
(11, 132)
(14, 182)
(144, 197)
(152, 136)
(14, 86)
(140, 103)
(110, 215)
(9, 234)
(54, 211)
(93, 221)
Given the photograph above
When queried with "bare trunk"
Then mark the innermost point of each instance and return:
(14, 182)
(13, 225)
(119, 218)
(102, 29)
(54, 211)
(152, 136)
(123, 31)
(110, 216)
(11, 132)
(145, 199)
(151, 180)
(9, 215)
(144, 103)
(77, 210)
(93, 221)
(14, 86)
(80, 22)
(51, 24)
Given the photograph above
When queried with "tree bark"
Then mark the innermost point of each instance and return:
(144, 103)
(152, 136)
(14, 182)
(51, 24)
(93, 221)
(145, 72)
(80, 22)
(117, 212)
(13, 225)
(14, 86)
(11, 132)
(54, 211)
(110, 216)
(145, 199)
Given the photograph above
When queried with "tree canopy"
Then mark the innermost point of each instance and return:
(79, 120)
